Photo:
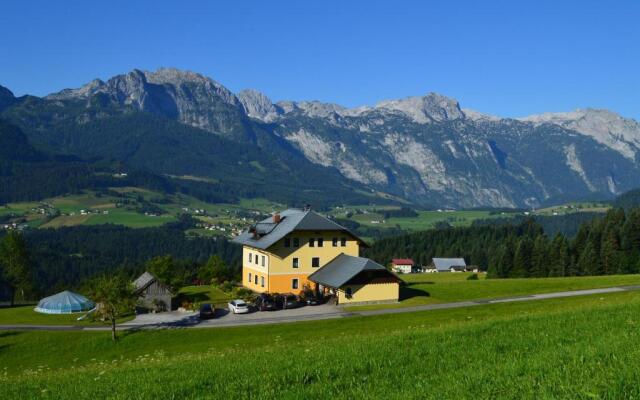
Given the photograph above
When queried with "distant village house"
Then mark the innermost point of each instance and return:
(402, 265)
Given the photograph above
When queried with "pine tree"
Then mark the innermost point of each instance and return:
(522, 259)
(610, 256)
(589, 262)
(15, 265)
(540, 263)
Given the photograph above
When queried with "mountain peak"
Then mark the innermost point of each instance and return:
(6, 98)
(433, 107)
(607, 127)
(257, 105)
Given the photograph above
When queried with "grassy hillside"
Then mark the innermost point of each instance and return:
(519, 350)
(136, 208)
(451, 287)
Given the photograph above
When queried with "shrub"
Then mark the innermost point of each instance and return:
(473, 277)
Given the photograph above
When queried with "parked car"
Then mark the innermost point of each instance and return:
(312, 298)
(238, 307)
(288, 301)
(207, 311)
(265, 302)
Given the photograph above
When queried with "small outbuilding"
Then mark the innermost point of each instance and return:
(402, 265)
(358, 280)
(450, 264)
(154, 295)
(64, 303)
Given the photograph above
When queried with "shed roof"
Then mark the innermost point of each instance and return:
(402, 261)
(342, 268)
(144, 280)
(269, 232)
(444, 264)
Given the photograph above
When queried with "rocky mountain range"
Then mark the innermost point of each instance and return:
(425, 150)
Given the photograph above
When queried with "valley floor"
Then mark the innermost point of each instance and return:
(581, 347)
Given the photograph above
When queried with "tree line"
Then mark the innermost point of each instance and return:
(604, 245)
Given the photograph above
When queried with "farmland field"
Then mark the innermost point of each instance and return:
(530, 350)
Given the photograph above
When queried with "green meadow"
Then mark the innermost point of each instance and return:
(582, 348)
(451, 287)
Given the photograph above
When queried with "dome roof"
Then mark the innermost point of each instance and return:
(64, 303)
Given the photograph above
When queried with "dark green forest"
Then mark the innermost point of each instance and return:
(604, 245)
(65, 258)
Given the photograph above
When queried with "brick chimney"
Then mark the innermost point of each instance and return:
(277, 218)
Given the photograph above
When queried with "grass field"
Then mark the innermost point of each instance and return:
(24, 315)
(205, 294)
(581, 348)
(451, 287)
(91, 208)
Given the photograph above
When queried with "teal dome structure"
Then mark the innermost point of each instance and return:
(64, 303)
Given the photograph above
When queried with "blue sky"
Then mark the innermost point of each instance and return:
(509, 58)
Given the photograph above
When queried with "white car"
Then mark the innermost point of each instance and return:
(238, 307)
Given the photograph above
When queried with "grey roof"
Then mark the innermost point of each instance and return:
(144, 280)
(291, 220)
(342, 268)
(445, 264)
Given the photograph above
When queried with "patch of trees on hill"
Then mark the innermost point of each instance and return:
(67, 257)
(602, 246)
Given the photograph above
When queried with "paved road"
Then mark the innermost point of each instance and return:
(190, 320)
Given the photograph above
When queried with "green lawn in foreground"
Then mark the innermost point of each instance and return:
(451, 287)
(583, 347)
(24, 315)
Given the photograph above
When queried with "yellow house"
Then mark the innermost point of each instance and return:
(358, 280)
(281, 252)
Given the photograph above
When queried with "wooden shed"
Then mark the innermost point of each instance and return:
(154, 295)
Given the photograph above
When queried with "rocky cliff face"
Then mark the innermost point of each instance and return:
(188, 97)
(426, 149)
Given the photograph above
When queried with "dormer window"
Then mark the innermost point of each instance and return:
(287, 242)
(296, 242)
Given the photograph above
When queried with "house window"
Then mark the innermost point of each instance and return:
(343, 242)
(257, 260)
(295, 263)
(296, 242)
(348, 292)
(315, 262)
(320, 242)
(250, 257)
(263, 258)
(294, 283)
(334, 242)
(287, 242)
(262, 281)
(249, 277)
(312, 242)
(256, 279)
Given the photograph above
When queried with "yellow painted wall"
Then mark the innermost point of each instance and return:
(278, 269)
(370, 292)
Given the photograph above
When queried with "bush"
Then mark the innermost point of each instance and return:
(473, 277)
(243, 293)
(227, 286)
